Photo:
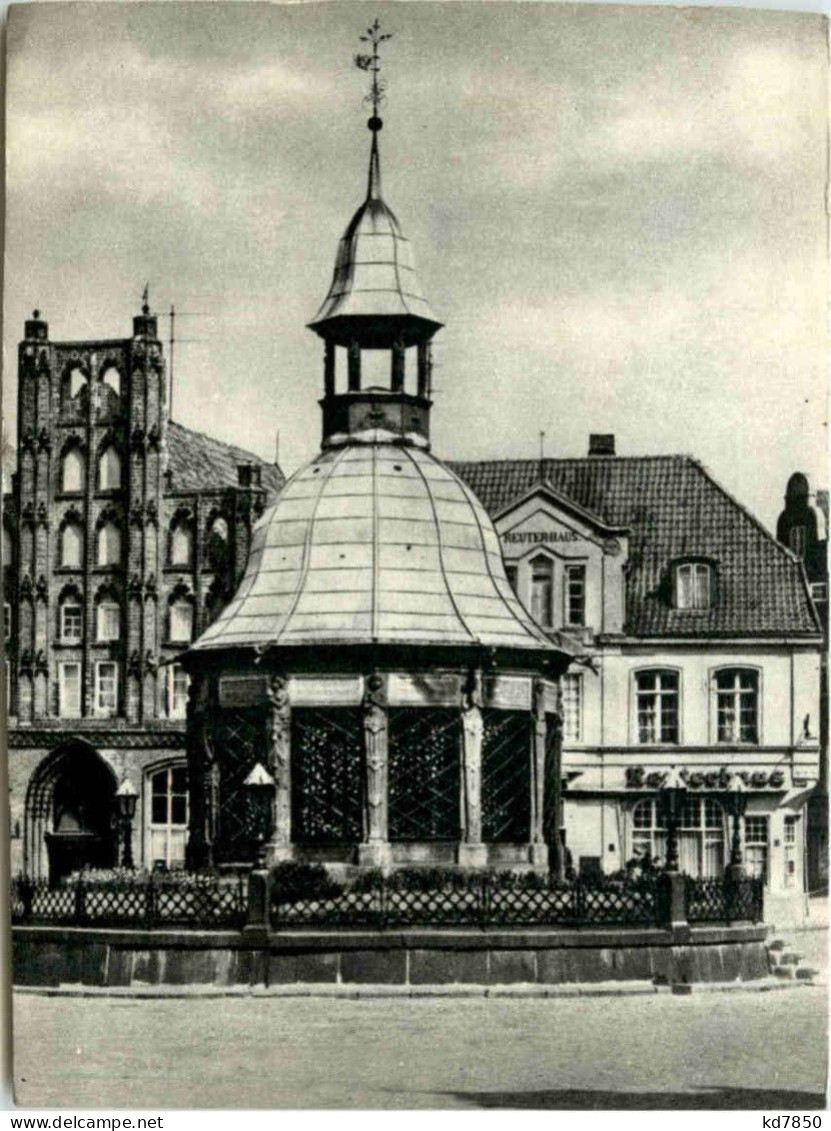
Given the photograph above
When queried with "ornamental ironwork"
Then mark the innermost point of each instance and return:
(506, 776)
(327, 746)
(424, 773)
(240, 742)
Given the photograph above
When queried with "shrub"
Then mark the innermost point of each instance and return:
(291, 881)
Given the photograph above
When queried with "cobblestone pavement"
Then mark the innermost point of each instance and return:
(740, 1050)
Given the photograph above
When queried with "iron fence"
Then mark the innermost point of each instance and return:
(462, 900)
(717, 900)
(475, 900)
(146, 902)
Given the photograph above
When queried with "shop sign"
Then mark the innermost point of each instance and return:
(637, 777)
(518, 537)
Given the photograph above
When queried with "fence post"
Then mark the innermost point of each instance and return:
(672, 901)
(579, 901)
(80, 901)
(150, 901)
(259, 900)
(26, 889)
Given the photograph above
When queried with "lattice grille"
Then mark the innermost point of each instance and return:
(552, 781)
(327, 771)
(145, 902)
(424, 781)
(240, 744)
(506, 776)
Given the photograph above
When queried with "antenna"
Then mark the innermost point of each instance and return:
(172, 340)
(542, 455)
(277, 449)
(172, 317)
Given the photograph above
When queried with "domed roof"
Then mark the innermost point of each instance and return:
(375, 279)
(374, 542)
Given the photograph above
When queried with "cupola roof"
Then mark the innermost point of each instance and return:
(374, 542)
(376, 298)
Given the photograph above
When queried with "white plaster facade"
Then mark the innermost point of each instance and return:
(608, 767)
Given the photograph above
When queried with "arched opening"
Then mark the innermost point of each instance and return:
(72, 545)
(74, 390)
(109, 469)
(73, 471)
(69, 809)
(109, 544)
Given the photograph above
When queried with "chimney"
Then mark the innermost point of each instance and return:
(249, 475)
(602, 444)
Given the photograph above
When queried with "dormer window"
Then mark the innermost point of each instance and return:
(693, 585)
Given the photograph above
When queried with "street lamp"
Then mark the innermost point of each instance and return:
(126, 797)
(738, 804)
(673, 796)
(260, 785)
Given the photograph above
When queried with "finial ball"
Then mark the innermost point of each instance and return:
(36, 314)
(375, 124)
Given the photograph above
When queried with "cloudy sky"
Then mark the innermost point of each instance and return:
(617, 212)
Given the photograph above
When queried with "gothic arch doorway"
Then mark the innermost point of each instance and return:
(69, 810)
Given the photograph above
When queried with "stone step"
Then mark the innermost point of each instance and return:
(790, 958)
(784, 971)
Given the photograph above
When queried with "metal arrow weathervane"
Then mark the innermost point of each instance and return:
(372, 64)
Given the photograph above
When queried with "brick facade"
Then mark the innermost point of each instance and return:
(80, 405)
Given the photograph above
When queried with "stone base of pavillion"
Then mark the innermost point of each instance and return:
(392, 767)
(54, 956)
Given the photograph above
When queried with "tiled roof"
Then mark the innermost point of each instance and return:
(673, 509)
(200, 463)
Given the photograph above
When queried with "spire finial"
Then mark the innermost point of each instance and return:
(145, 299)
(375, 98)
(372, 63)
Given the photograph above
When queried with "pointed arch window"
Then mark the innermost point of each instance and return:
(111, 378)
(181, 544)
(109, 469)
(180, 630)
(542, 590)
(216, 544)
(74, 389)
(73, 470)
(72, 545)
(109, 545)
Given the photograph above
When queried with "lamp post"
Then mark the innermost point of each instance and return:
(126, 798)
(672, 886)
(260, 785)
(738, 804)
(673, 796)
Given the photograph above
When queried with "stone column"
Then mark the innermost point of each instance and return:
(398, 363)
(329, 369)
(537, 849)
(472, 851)
(425, 366)
(354, 368)
(374, 850)
(279, 766)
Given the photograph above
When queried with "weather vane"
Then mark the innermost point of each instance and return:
(372, 63)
